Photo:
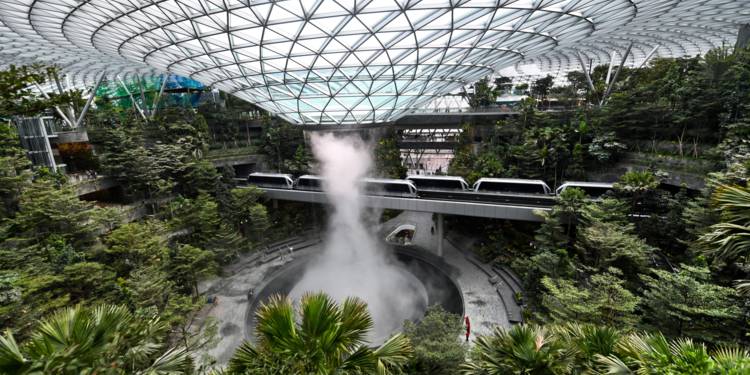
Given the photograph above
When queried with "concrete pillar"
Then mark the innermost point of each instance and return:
(440, 234)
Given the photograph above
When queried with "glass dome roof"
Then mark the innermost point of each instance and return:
(348, 61)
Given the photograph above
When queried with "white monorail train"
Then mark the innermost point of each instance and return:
(440, 183)
(389, 187)
(271, 180)
(372, 186)
(414, 184)
(309, 182)
(511, 186)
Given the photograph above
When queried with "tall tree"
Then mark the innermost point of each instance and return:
(503, 84)
(299, 164)
(387, 157)
(189, 264)
(542, 86)
(14, 170)
(637, 188)
(200, 224)
(483, 94)
(17, 97)
(280, 141)
(605, 244)
(568, 206)
(46, 209)
(246, 214)
(179, 126)
(135, 245)
(688, 303)
(600, 300)
(438, 349)
(199, 176)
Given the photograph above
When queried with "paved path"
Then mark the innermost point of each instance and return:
(481, 302)
(231, 288)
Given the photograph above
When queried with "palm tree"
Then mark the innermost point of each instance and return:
(654, 354)
(328, 338)
(743, 287)
(637, 182)
(732, 360)
(589, 341)
(730, 239)
(636, 187)
(522, 349)
(103, 339)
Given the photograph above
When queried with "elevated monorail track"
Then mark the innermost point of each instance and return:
(521, 208)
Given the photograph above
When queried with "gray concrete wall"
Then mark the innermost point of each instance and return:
(688, 171)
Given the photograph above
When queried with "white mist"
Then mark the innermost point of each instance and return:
(353, 262)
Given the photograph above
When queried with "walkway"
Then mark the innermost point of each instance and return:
(481, 300)
(231, 288)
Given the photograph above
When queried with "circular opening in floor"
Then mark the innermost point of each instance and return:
(428, 277)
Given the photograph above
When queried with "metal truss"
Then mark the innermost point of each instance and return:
(446, 103)
(416, 143)
(663, 28)
(430, 138)
(348, 61)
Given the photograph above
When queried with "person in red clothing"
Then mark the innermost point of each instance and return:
(468, 327)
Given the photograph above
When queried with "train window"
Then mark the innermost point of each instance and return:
(267, 180)
(309, 182)
(259, 179)
(424, 183)
(449, 184)
(505, 187)
(397, 188)
(371, 187)
(595, 192)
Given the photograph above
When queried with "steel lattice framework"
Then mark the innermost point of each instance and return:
(668, 28)
(349, 61)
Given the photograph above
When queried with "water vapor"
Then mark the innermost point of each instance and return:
(354, 262)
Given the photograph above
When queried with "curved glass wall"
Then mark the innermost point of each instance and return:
(347, 61)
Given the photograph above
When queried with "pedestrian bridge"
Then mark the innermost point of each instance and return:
(494, 210)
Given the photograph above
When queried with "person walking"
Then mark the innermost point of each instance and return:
(468, 327)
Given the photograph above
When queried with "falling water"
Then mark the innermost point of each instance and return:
(353, 262)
